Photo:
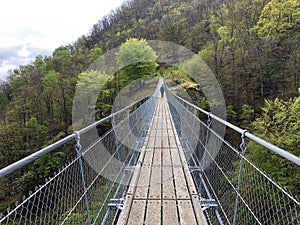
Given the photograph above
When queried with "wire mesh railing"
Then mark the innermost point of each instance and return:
(90, 188)
(232, 189)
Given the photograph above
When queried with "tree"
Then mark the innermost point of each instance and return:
(88, 88)
(280, 18)
(37, 133)
(247, 114)
(136, 59)
(279, 124)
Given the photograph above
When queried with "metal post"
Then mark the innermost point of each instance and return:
(78, 149)
(243, 147)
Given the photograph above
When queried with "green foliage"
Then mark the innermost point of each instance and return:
(231, 113)
(136, 59)
(89, 82)
(49, 163)
(254, 29)
(279, 124)
(95, 53)
(247, 114)
(280, 18)
(88, 88)
(252, 46)
(50, 81)
(206, 52)
(37, 133)
(223, 33)
(281, 117)
(24, 183)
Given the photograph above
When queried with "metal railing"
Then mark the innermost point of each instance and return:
(90, 188)
(232, 189)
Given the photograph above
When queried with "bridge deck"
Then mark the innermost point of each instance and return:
(162, 190)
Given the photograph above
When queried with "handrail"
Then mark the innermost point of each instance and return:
(246, 133)
(86, 129)
(17, 165)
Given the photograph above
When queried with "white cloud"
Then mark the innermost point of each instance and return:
(33, 27)
(24, 51)
(13, 56)
(60, 22)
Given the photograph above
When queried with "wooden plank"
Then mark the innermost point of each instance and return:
(189, 179)
(198, 211)
(142, 187)
(158, 141)
(165, 142)
(153, 132)
(153, 125)
(186, 213)
(155, 183)
(137, 212)
(169, 215)
(134, 180)
(148, 157)
(172, 142)
(126, 210)
(166, 157)
(168, 184)
(160, 178)
(165, 126)
(157, 157)
(151, 142)
(159, 133)
(169, 126)
(136, 173)
(181, 188)
(176, 161)
(153, 212)
(190, 182)
(164, 133)
(160, 125)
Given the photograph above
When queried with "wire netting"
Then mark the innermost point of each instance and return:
(239, 191)
(80, 192)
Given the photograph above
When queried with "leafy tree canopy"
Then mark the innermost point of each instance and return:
(280, 125)
(137, 58)
(279, 18)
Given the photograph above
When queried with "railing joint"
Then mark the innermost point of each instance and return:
(208, 203)
(194, 169)
(116, 203)
(77, 145)
(129, 169)
(244, 145)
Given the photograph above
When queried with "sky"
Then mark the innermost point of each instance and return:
(34, 27)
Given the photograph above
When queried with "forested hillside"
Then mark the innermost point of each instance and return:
(252, 46)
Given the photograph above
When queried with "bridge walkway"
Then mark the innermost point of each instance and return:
(162, 190)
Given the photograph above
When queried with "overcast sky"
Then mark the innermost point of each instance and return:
(34, 27)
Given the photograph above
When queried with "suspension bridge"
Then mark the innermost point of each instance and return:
(158, 164)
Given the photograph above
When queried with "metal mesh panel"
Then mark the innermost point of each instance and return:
(231, 188)
(81, 191)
